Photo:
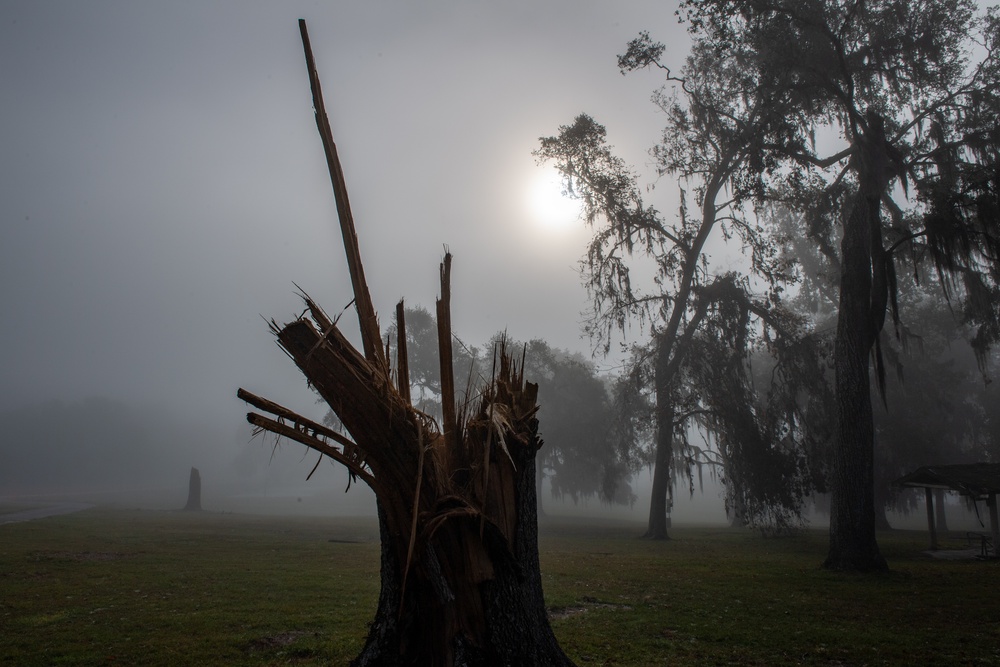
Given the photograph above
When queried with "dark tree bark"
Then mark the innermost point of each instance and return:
(657, 526)
(852, 513)
(663, 465)
(737, 508)
(516, 637)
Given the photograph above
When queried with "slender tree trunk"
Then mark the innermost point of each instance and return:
(658, 504)
(663, 464)
(852, 512)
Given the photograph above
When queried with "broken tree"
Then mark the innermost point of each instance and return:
(456, 501)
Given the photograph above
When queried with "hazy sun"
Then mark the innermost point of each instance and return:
(548, 206)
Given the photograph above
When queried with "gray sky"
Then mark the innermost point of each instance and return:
(162, 183)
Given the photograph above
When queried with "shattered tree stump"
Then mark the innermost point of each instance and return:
(460, 575)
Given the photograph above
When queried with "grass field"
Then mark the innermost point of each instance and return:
(130, 587)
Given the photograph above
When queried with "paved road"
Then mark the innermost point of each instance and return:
(42, 512)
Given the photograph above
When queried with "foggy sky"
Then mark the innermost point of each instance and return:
(162, 183)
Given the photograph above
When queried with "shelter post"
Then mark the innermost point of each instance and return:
(977, 481)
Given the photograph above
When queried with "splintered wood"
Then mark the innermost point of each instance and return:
(456, 501)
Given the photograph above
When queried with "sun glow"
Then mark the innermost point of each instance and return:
(549, 207)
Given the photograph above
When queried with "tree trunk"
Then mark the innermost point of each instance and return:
(658, 503)
(736, 505)
(516, 629)
(852, 512)
(663, 464)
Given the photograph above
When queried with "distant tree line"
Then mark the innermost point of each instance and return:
(101, 445)
(586, 454)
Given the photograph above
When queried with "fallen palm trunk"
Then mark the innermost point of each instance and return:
(457, 507)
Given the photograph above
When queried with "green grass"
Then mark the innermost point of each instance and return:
(116, 587)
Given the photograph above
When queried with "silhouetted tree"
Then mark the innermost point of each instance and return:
(582, 458)
(422, 352)
(757, 397)
(915, 114)
(715, 122)
(935, 410)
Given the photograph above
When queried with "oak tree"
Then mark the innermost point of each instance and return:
(711, 143)
(910, 89)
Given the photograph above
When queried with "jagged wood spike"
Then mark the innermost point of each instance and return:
(449, 422)
(402, 357)
(284, 413)
(367, 319)
(315, 443)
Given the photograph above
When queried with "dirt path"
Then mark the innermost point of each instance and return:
(42, 512)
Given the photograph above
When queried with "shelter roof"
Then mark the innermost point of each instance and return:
(971, 479)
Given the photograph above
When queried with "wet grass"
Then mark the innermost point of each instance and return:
(169, 588)
(721, 597)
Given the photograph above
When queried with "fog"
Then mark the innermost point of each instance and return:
(163, 190)
(164, 185)
(104, 451)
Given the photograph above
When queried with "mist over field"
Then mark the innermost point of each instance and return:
(110, 452)
(164, 190)
(164, 195)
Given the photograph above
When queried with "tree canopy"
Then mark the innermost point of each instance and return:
(717, 117)
(910, 90)
(583, 457)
